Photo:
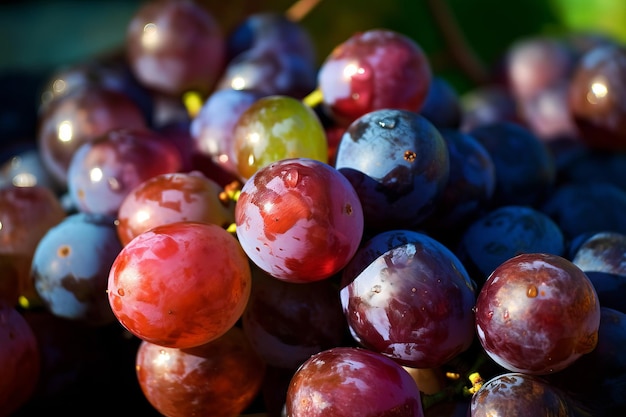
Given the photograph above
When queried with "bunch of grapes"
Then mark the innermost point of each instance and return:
(217, 222)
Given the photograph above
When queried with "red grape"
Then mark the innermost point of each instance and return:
(217, 379)
(169, 198)
(80, 117)
(521, 395)
(175, 46)
(347, 381)
(299, 220)
(180, 285)
(537, 313)
(373, 70)
(412, 303)
(104, 171)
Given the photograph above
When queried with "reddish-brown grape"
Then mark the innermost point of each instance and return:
(169, 198)
(217, 379)
(537, 313)
(347, 381)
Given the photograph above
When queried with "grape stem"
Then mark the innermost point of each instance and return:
(298, 10)
(459, 48)
(459, 387)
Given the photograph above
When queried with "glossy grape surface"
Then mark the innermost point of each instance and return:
(372, 70)
(537, 313)
(299, 220)
(70, 267)
(169, 198)
(180, 285)
(175, 46)
(218, 379)
(270, 71)
(523, 395)
(80, 117)
(19, 360)
(398, 164)
(413, 303)
(348, 381)
(274, 128)
(597, 84)
(104, 171)
(213, 128)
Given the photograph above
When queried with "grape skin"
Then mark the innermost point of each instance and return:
(299, 220)
(537, 313)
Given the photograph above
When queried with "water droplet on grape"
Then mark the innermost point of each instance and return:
(387, 123)
(410, 156)
(532, 291)
(291, 178)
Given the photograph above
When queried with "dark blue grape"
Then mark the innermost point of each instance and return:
(443, 105)
(470, 187)
(71, 265)
(399, 165)
(505, 232)
(525, 169)
(580, 208)
(598, 379)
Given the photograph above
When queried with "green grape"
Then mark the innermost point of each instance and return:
(274, 128)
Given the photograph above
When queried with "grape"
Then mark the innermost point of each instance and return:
(274, 128)
(26, 215)
(288, 322)
(505, 232)
(537, 313)
(348, 381)
(80, 117)
(212, 129)
(170, 198)
(598, 378)
(587, 207)
(19, 360)
(602, 252)
(219, 378)
(442, 106)
(470, 185)
(25, 169)
(522, 395)
(398, 164)
(109, 72)
(71, 266)
(525, 169)
(268, 29)
(175, 46)
(594, 92)
(372, 70)
(413, 303)
(180, 285)
(104, 171)
(487, 104)
(299, 220)
(535, 63)
(270, 72)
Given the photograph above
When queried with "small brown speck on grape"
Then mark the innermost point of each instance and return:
(410, 156)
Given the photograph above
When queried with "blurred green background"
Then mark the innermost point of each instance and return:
(41, 35)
